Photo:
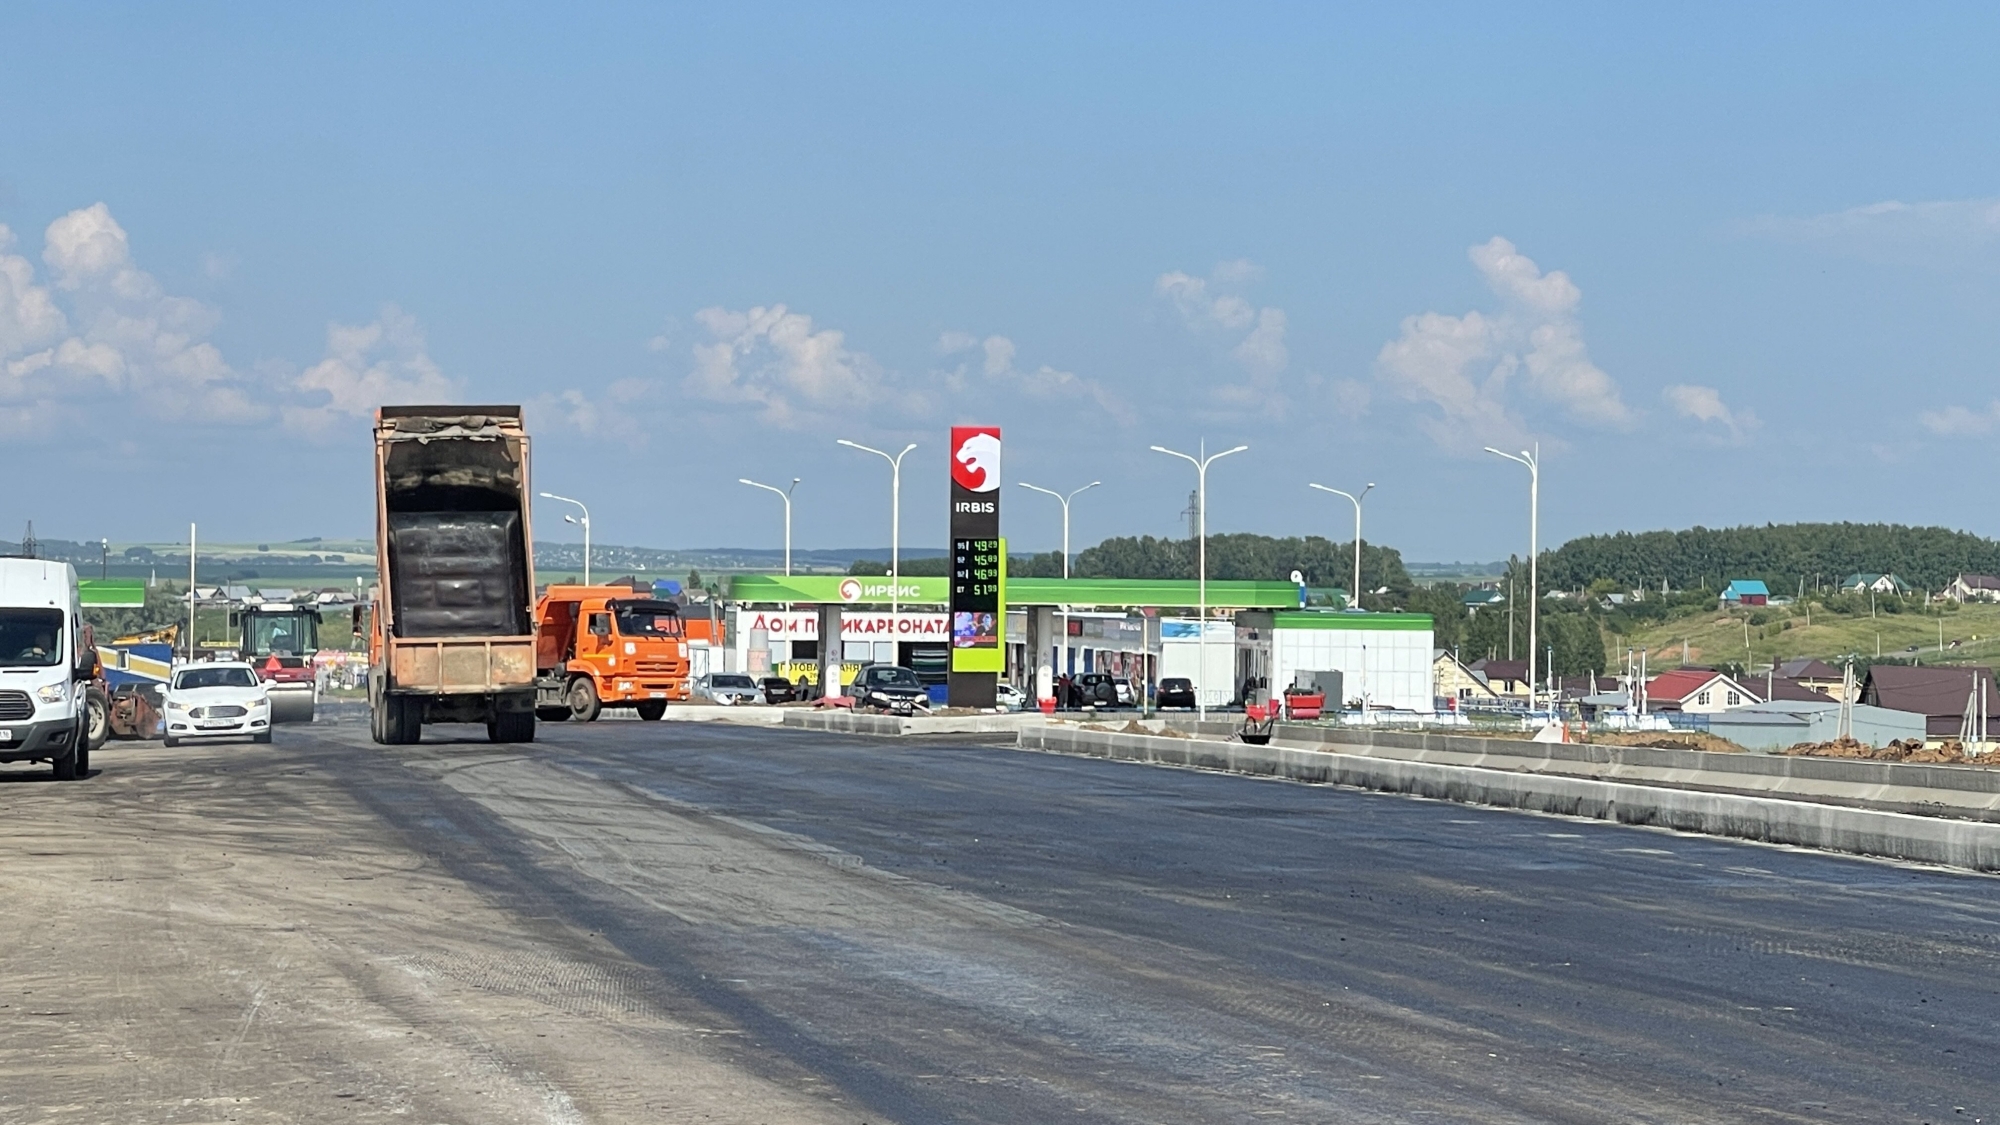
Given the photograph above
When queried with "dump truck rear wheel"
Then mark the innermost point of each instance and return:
(583, 702)
(511, 726)
(552, 714)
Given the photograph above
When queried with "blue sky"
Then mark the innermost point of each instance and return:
(1725, 266)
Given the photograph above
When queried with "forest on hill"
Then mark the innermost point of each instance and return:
(1782, 555)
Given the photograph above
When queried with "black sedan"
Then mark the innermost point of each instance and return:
(888, 687)
(777, 689)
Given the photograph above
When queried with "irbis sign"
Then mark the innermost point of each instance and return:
(978, 566)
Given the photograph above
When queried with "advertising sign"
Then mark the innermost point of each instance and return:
(978, 605)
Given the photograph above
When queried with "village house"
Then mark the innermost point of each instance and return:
(1941, 694)
(1508, 677)
(1746, 591)
(1879, 583)
(1816, 675)
(1696, 691)
(1973, 588)
(1459, 683)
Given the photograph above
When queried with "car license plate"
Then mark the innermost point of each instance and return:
(6, 736)
(656, 695)
(217, 724)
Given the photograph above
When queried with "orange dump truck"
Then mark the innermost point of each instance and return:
(604, 646)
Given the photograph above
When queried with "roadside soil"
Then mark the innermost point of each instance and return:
(223, 933)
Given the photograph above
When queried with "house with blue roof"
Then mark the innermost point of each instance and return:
(1746, 591)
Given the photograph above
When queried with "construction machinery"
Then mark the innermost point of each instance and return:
(451, 634)
(605, 646)
(280, 640)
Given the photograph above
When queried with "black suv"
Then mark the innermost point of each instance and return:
(888, 687)
(1175, 691)
(1095, 689)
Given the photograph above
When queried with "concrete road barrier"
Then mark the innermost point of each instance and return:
(1966, 792)
(1892, 835)
(847, 722)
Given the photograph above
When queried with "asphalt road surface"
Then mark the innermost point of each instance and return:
(642, 922)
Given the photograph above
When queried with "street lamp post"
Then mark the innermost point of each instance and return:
(784, 494)
(1356, 500)
(104, 559)
(1064, 500)
(1533, 460)
(895, 524)
(1201, 465)
(583, 523)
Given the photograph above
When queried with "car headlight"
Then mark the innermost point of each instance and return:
(176, 705)
(52, 693)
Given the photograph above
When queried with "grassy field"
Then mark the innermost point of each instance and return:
(1715, 637)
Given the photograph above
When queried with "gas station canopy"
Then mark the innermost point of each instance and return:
(1077, 593)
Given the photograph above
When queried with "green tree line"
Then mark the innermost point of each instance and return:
(1781, 555)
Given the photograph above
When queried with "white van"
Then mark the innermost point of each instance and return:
(45, 667)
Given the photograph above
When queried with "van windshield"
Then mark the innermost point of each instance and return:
(647, 619)
(30, 638)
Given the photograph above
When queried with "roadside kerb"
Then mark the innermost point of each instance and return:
(1890, 835)
(847, 722)
(1964, 792)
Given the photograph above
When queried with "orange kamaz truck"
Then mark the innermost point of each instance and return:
(605, 646)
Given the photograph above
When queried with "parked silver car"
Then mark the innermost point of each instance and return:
(728, 688)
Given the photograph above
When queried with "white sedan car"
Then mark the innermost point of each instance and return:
(219, 700)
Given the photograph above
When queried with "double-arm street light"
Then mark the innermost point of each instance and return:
(895, 523)
(583, 523)
(1355, 598)
(784, 494)
(1533, 460)
(1064, 500)
(1201, 465)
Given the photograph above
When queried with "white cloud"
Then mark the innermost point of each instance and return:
(1263, 350)
(997, 354)
(615, 413)
(772, 361)
(28, 314)
(1206, 306)
(1957, 421)
(1705, 405)
(1937, 232)
(366, 366)
(120, 332)
(1469, 367)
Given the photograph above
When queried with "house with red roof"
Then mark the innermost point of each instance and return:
(1696, 691)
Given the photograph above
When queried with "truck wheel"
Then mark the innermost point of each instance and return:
(511, 726)
(552, 714)
(653, 710)
(413, 722)
(402, 720)
(99, 726)
(583, 703)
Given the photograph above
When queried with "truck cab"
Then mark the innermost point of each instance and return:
(279, 641)
(46, 665)
(604, 646)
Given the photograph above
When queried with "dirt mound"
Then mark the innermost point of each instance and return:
(1662, 740)
(1905, 750)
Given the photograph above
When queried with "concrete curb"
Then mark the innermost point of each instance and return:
(1890, 835)
(1966, 792)
(847, 722)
